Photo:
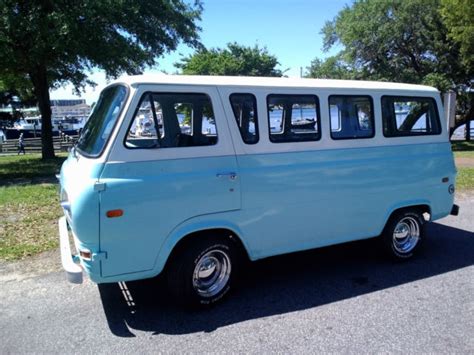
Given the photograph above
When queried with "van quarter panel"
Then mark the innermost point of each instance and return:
(301, 200)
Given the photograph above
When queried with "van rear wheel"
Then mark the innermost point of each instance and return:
(403, 234)
(202, 272)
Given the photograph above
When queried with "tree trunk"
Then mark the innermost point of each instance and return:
(41, 87)
(468, 130)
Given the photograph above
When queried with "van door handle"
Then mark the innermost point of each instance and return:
(231, 176)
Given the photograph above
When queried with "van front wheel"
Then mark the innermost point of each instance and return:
(202, 273)
(403, 234)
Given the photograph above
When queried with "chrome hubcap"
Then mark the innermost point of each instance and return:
(211, 273)
(406, 235)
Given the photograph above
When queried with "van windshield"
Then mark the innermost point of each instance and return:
(101, 122)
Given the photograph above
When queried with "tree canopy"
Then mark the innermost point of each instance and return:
(50, 43)
(16, 89)
(416, 41)
(458, 16)
(331, 68)
(235, 60)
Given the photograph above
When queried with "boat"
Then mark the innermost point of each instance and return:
(66, 124)
(31, 127)
(304, 124)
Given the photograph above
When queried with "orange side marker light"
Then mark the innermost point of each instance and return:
(114, 213)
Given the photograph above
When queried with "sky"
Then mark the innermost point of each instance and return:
(290, 30)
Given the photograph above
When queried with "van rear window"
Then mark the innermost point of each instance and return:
(409, 116)
(351, 117)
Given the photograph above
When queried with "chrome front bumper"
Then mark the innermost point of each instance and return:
(73, 270)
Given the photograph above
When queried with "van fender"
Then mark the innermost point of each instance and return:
(195, 224)
(402, 204)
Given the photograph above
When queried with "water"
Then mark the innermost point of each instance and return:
(276, 117)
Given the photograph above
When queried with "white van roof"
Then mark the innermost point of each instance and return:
(268, 82)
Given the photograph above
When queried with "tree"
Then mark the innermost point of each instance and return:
(404, 41)
(458, 16)
(14, 88)
(14, 92)
(235, 60)
(395, 40)
(331, 68)
(51, 42)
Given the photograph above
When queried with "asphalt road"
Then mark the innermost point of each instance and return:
(346, 298)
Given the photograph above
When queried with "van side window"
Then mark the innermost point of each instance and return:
(244, 107)
(351, 117)
(143, 132)
(293, 118)
(409, 116)
(173, 120)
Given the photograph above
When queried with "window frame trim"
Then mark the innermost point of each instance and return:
(372, 117)
(415, 134)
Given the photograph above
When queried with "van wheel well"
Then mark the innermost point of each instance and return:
(424, 211)
(217, 234)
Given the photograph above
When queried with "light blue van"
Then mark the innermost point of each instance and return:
(189, 176)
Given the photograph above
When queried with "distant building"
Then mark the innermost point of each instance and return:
(60, 109)
(71, 102)
(70, 108)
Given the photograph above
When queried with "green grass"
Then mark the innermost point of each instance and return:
(28, 167)
(464, 154)
(463, 149)
(465, 178)
(28, 220)
(29, 208)
(462, 146)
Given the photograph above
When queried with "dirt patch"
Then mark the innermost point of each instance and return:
(40, 264)
(465, 162)
(463, 196)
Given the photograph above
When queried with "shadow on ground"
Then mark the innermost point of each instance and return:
(28, 169)
(286, 284)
